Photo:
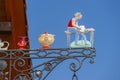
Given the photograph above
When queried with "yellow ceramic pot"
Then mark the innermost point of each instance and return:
(46, 40)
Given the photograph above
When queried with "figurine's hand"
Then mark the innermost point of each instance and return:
(78, 28)
(81, 28)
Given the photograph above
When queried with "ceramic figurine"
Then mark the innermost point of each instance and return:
(74, 28)
(46, 40)
(73, 25)
(2, 45)
(22, 44)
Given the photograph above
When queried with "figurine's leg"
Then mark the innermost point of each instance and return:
(76, 37)
(84, 37)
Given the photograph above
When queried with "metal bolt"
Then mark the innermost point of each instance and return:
(48, 66)
(3, 64)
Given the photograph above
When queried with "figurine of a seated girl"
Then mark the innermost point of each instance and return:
(78, 30)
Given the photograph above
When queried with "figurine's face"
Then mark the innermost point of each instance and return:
(78, 17)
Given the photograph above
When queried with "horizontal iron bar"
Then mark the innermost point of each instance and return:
(41, 49)
(46, 57)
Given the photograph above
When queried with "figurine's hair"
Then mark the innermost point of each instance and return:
(77, 14)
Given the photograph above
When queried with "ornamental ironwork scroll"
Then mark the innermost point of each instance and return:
(15, 60)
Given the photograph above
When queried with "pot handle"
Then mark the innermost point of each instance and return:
(5, 42)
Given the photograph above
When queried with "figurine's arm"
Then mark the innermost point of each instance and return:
(75, 24)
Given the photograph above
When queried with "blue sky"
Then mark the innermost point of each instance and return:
(103, 15)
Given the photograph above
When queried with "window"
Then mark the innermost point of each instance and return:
(5, 27)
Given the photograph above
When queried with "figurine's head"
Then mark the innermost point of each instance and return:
(78, 15)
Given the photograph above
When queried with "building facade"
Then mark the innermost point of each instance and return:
(13, 23)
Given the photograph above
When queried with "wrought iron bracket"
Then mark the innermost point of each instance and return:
(49, 59)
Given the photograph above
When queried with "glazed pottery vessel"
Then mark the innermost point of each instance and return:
(4, 45)
(46, 40)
